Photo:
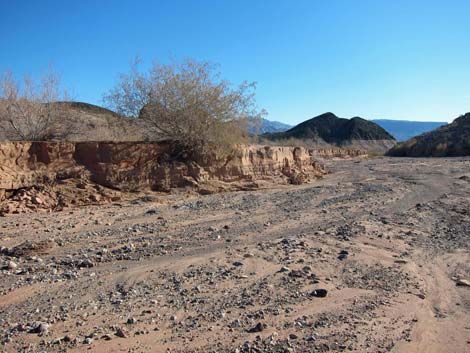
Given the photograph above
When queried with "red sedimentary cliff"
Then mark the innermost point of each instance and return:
(131, 166)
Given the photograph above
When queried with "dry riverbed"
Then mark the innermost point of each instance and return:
(373, 258)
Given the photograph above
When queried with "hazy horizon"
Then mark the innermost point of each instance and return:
(370, 119)
(400, 60)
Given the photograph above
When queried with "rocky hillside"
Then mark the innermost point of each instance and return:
(447, 141)
(330, 129)
(95, 123)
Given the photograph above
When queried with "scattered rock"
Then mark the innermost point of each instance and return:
(12, 265)
(36, 200)
(296, 274)
(258, 328)
(95, 198)
(87, 263)
(343, 254)
(120, 332)
(319, 293)
(463, 283)
(67, 338)
(40, 328)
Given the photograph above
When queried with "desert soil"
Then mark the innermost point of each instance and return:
(372, 258)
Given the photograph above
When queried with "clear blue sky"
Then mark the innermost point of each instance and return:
(399, 59)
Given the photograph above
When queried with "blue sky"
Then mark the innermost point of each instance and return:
(375, 59)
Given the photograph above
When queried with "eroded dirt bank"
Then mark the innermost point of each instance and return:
(388, 239)
(55, 175)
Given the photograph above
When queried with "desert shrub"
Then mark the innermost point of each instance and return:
(188, 104)
(28, 110)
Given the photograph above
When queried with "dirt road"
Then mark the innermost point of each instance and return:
(373, 258)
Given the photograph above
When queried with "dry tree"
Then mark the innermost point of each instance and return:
(188, 104)
(28, 110)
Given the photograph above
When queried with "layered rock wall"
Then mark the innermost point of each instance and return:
(133, 166)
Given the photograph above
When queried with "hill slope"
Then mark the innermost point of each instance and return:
(403, 130)
(329, 129)
(94, 123)
(447, 141)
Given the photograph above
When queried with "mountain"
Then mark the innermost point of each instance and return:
(269, 126)
(329, 129)
(447, 141)
(403, 130)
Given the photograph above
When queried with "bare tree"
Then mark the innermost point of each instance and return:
(28, 111)
(189, 104)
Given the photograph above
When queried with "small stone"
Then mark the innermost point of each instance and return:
(86, 263)
(120, 333)
(36, 200)
(40, 328)
(88, 340)
(235, 323)
(131, 321)
(95, 197)
(237, 264)
(296, 274)
(343, 254)
(258, 328)
(284, 269)
(67, 338)
(463, 283)
(12, 265)
(320, 293)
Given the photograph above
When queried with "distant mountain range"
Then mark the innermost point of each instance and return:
(446, 141)
(403, 130)
(269, 126)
